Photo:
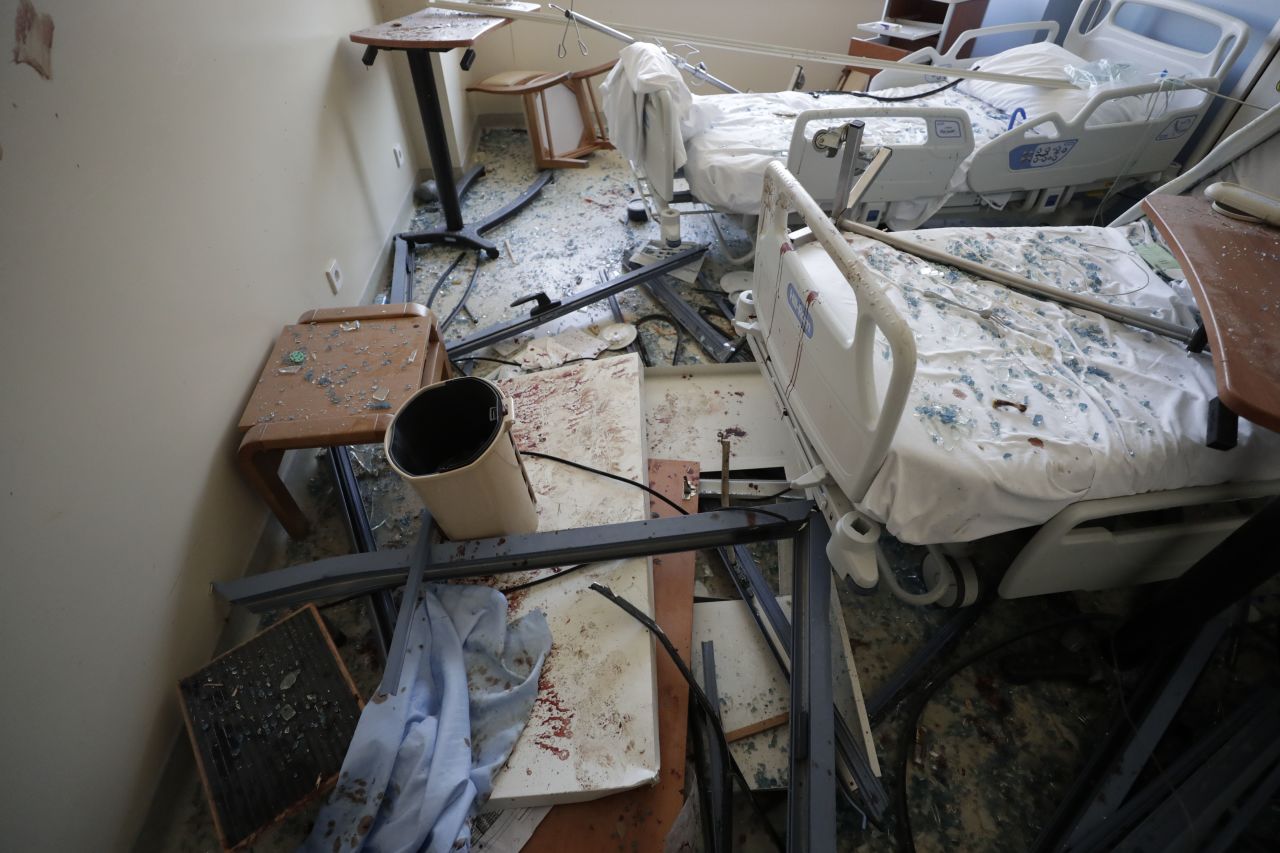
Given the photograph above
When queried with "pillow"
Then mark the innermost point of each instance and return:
(1046, 59)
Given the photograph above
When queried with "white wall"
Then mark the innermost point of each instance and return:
(170, 198)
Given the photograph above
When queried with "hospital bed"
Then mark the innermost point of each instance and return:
(948, 409)
(980, 143)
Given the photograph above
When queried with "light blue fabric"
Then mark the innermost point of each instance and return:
(421, 759)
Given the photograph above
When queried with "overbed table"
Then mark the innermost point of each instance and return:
(1231, 268)
(419, 35)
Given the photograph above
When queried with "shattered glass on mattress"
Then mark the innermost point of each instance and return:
(1019, 406)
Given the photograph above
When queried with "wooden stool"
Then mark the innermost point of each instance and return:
(336, 378)
(561, 111)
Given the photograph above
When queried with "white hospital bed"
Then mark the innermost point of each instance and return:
(1082, 139)
(950, 409)
(963, 147)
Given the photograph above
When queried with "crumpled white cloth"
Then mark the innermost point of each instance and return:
(644, 69)
(422, 759)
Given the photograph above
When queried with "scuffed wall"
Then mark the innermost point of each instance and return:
(175, 178)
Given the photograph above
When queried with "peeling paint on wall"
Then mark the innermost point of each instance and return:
(33, 39)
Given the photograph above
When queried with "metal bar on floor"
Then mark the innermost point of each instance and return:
(352, 574)
(402, 264)
(1126, 745)
(711, 339)
(882, 702)
(381, 607)
(1257, 718)
(811, 792)
(559, 308)
(776, 628)
(719, 783)
(421, 560)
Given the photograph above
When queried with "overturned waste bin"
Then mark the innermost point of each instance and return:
(452, 442)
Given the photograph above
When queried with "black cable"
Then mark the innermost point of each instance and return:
(538, 455)
(466, 294)
(921, 695)
(657, 318)
(892, 99)
(695, 690)
(444, 277)
(542, 579)
(659, 495)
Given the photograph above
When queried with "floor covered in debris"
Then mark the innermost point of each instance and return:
(991, 757)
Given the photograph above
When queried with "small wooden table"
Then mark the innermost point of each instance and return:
(419, 35)
(1233, 268)
(336, 378)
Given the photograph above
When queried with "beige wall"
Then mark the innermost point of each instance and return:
(170, 198)
(813, 24)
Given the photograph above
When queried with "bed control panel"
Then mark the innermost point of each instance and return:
(1037, 155)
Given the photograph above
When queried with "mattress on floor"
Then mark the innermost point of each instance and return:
(1109, 410)
(745, 132)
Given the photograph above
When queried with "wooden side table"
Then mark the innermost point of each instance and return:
(337, 377)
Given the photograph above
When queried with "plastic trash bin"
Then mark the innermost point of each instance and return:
(452, 442)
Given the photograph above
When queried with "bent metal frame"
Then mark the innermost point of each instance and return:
(819, 738)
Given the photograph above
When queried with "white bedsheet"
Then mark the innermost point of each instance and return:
(726, 162)
(1110, 410)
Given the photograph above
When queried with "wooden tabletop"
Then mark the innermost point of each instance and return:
(333, 371)
(430, 29)
(1233, 268)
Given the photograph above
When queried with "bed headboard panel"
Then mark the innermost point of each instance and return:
(820, 331)
(1109, 40)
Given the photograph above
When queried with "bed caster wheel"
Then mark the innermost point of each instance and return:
(959, 576)
(636, 211)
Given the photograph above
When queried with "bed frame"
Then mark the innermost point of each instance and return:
(1045, 168)
(843, 425)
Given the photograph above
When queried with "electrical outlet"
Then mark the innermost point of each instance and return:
(334, 274)
(399, 154)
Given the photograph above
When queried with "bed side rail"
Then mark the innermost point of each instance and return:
(1108, 39)
(832, 393)
(890, 78)
(1049, 151)
(952, 56)
(922, 170)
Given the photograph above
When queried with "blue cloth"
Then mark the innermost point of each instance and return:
(421, 759)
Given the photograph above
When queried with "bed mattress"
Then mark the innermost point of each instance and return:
(1015, 415)
(745, 132)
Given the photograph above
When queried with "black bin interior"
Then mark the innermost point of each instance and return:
(448, 426)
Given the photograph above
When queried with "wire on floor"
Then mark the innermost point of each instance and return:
(704, 704)
(466, 294)
(915, 703)
(657, 318)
